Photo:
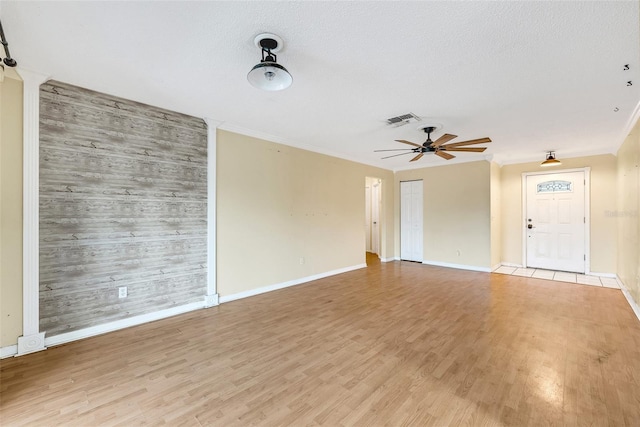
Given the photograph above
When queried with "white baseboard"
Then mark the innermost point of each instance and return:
(458, 266)
(264, 289)
(510, 264)
(150, 317)
(610, 275)
(389, 259)
(629, 297)
(495, 267)
(8, 351)
(121, 324)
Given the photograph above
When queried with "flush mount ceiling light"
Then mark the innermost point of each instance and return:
(268, 74)
(551, 160)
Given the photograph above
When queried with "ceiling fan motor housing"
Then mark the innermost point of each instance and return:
(426, 146)
(429, 129)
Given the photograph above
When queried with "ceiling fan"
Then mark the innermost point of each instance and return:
(438, 146)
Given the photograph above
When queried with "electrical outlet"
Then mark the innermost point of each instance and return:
(301, 260)
(122, 292)
(458, 252)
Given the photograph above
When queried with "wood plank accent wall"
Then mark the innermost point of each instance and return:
(123, 202)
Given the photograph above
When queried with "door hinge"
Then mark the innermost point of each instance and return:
(584, 219)
(585, 257)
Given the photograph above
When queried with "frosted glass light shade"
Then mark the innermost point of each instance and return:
(269, 76)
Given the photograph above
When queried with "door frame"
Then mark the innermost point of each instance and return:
(382, 219)
(587, 212)
(367, 215)
(376, 206)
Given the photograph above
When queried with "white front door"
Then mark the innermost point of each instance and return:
(555, 221)
(411, 221)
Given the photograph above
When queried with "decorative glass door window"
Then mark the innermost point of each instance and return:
(555, 187)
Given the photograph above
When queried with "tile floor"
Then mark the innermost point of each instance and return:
(560, 276)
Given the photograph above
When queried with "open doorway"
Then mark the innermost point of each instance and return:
(373, 226)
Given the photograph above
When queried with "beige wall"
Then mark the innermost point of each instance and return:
(603, 228)
(278, 204)
(496, 219)
(10, 211)
(628, 214)
(457, 213)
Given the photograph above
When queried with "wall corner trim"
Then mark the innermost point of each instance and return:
(31, 343)
(32, 339)
(211, 300)
(458, 266)
(294, 282)
(211, 297)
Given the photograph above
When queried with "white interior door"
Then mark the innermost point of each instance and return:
(556, 222)
(375, 217)
(411, 220)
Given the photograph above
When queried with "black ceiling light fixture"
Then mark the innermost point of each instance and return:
(268, 74)
(8, 60)
(551, 160)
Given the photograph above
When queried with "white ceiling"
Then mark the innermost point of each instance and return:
(533, 76)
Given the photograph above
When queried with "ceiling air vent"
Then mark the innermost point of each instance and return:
(403, 119)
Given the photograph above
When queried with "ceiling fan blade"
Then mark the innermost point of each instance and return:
(469, 149)
(417, 157)
(444, 155)
(395, 149)
(408, 142)
(401, 154)
(470, 142)
(444, 138)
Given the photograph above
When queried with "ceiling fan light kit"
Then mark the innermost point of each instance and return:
(268, 74)
(439, 147)
(551, 160)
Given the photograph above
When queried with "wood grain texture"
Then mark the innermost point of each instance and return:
(393, 344)
(123, 202)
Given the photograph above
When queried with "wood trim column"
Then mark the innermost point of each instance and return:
(32, 339)
(211, 298)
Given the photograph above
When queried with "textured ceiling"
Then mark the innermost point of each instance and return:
(533, 76)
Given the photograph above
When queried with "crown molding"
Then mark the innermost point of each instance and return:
(230, 127)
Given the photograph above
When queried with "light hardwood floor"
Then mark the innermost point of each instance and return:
(393, 344)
